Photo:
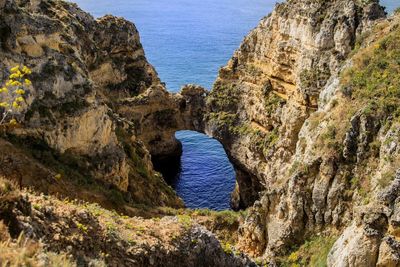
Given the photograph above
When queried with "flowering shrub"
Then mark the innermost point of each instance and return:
(12, 94)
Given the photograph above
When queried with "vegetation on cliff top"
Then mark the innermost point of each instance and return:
(374, 78)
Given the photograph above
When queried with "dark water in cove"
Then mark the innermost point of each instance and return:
(188, 41)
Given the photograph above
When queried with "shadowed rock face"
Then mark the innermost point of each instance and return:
(95, 100)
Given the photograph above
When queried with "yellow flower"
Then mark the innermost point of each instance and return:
(19, 91)
(19, 99)
(4, 104)
(26, 70)
(13, 121)
(4, 90)
(58, 177)
(16, 83)
(28, 82)
(14, 75)
(15, 105)
(8, 83)
(15, 69)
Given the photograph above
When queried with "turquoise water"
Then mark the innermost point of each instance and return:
(188, 41)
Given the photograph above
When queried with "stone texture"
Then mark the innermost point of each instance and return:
(95, 100)
(278, 109)
(354, 248)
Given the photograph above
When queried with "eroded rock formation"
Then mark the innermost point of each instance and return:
(96, 106)
(93, 236)
(307, 110)
(271, 85)
(308, 128)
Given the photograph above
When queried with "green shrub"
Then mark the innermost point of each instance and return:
(272, 102)
(313, 79)
(374, 79)
(223, 97)
(386, 179)
(313, 253)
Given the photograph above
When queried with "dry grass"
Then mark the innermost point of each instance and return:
(22, 251)
(25, 252)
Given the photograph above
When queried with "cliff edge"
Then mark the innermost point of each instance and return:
(306, 109)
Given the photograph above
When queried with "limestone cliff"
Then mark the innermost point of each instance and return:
(313, 138)
(96, 110)
(268, 89)
(95, 114)
(307, 110)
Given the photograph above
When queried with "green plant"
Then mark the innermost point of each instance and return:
(374, 79)
(81, 227)
(222, 118)
(313, 79)
(386, 179)
(272, 102)
(313, 253)
(185, 220)
(227, 247)
(111, 228)
(223, 97)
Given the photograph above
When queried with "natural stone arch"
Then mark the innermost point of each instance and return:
(157, 114)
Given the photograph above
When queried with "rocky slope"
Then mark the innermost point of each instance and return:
(307, 109)
(87, 235)
(271, 85)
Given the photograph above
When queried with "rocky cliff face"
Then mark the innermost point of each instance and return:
(308, 133)
(96, 109)
(307, 110)
(272, 84)
(95, 114)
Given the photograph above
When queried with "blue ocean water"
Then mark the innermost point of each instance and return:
(207, 177)
(188, 41)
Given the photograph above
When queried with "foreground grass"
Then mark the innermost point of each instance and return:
(25, 252)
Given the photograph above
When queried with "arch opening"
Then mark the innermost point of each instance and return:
(202, 176)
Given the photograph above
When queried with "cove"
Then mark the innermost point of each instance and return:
(203, 176)
(187, 42)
